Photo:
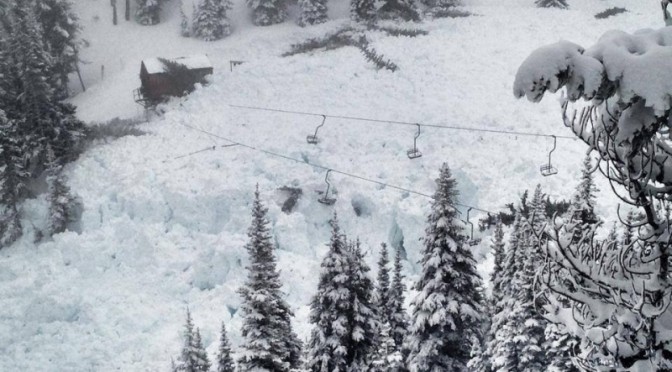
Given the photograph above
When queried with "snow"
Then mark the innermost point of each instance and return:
(159, 234)
(627, 58)
(155, 66)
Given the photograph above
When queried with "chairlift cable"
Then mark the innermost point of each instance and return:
(396, 122)
(209, 148)
(318, 166)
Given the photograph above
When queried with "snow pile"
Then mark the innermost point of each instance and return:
(161, 230)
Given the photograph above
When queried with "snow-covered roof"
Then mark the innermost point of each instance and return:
(155, 66)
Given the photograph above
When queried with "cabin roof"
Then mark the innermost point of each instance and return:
(195, 62)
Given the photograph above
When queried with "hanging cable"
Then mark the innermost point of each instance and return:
(209, 148)
(318, 166)
(395, 122)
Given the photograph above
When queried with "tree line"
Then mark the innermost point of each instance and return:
(358, 323)
(39, 133)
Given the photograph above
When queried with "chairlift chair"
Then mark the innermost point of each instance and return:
(325, 199)
(549, 169)
(312, 138)
(471, 241)
(414, 153)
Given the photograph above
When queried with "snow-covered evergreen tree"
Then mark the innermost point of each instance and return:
(560, 347)
(329, 309)
(387, 357)
(224, 360)
(528, 323)
(210, 20)
(583, 201)
(562, 4)
(497, 275)
(398, 318)
(60, 31)
(148, 12)
(267, 12)
(11, 185)
(362, 317)
(481, 354)
(383, 284)
(478, 361)
(60, 199)
(448, 309)
(312, 12)
(501, 349)
(42, 120)
(269, 342)
(202, 363)
(193, 357)
(363, 10)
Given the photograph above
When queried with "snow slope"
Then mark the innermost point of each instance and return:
(162, 231)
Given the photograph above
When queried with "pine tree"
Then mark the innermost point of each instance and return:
(383, 285)
(496, 278)
(267, 12)
(481, 354)
(60, 31)
(501, 348)
(148, 12)
(447, 311)
(528, 324)
(561, 346)
(330, 307)
(362, 317)
(42, 120)
(269, 340)
(583, 201)
(398, 318)
(387, 358)
(312, 12)
(60, 199)
(224, 360)
(562, 4)
(202, 362)
(193, 357)
(478, 361)
(11, 185)
(363, 10)
(210, 21)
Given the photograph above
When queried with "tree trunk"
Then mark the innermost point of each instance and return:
(114, 11)
(127, 13)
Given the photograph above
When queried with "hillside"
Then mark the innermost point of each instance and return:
(161, 231)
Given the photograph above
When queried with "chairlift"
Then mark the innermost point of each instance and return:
(325, 199)
(471, 241)
(549, 169)
(312, 138)
(414, 153)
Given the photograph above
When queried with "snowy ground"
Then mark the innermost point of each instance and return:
(159, 234)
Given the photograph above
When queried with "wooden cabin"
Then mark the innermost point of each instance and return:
(162, 78)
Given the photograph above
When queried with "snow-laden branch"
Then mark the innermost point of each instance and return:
(618, 294)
